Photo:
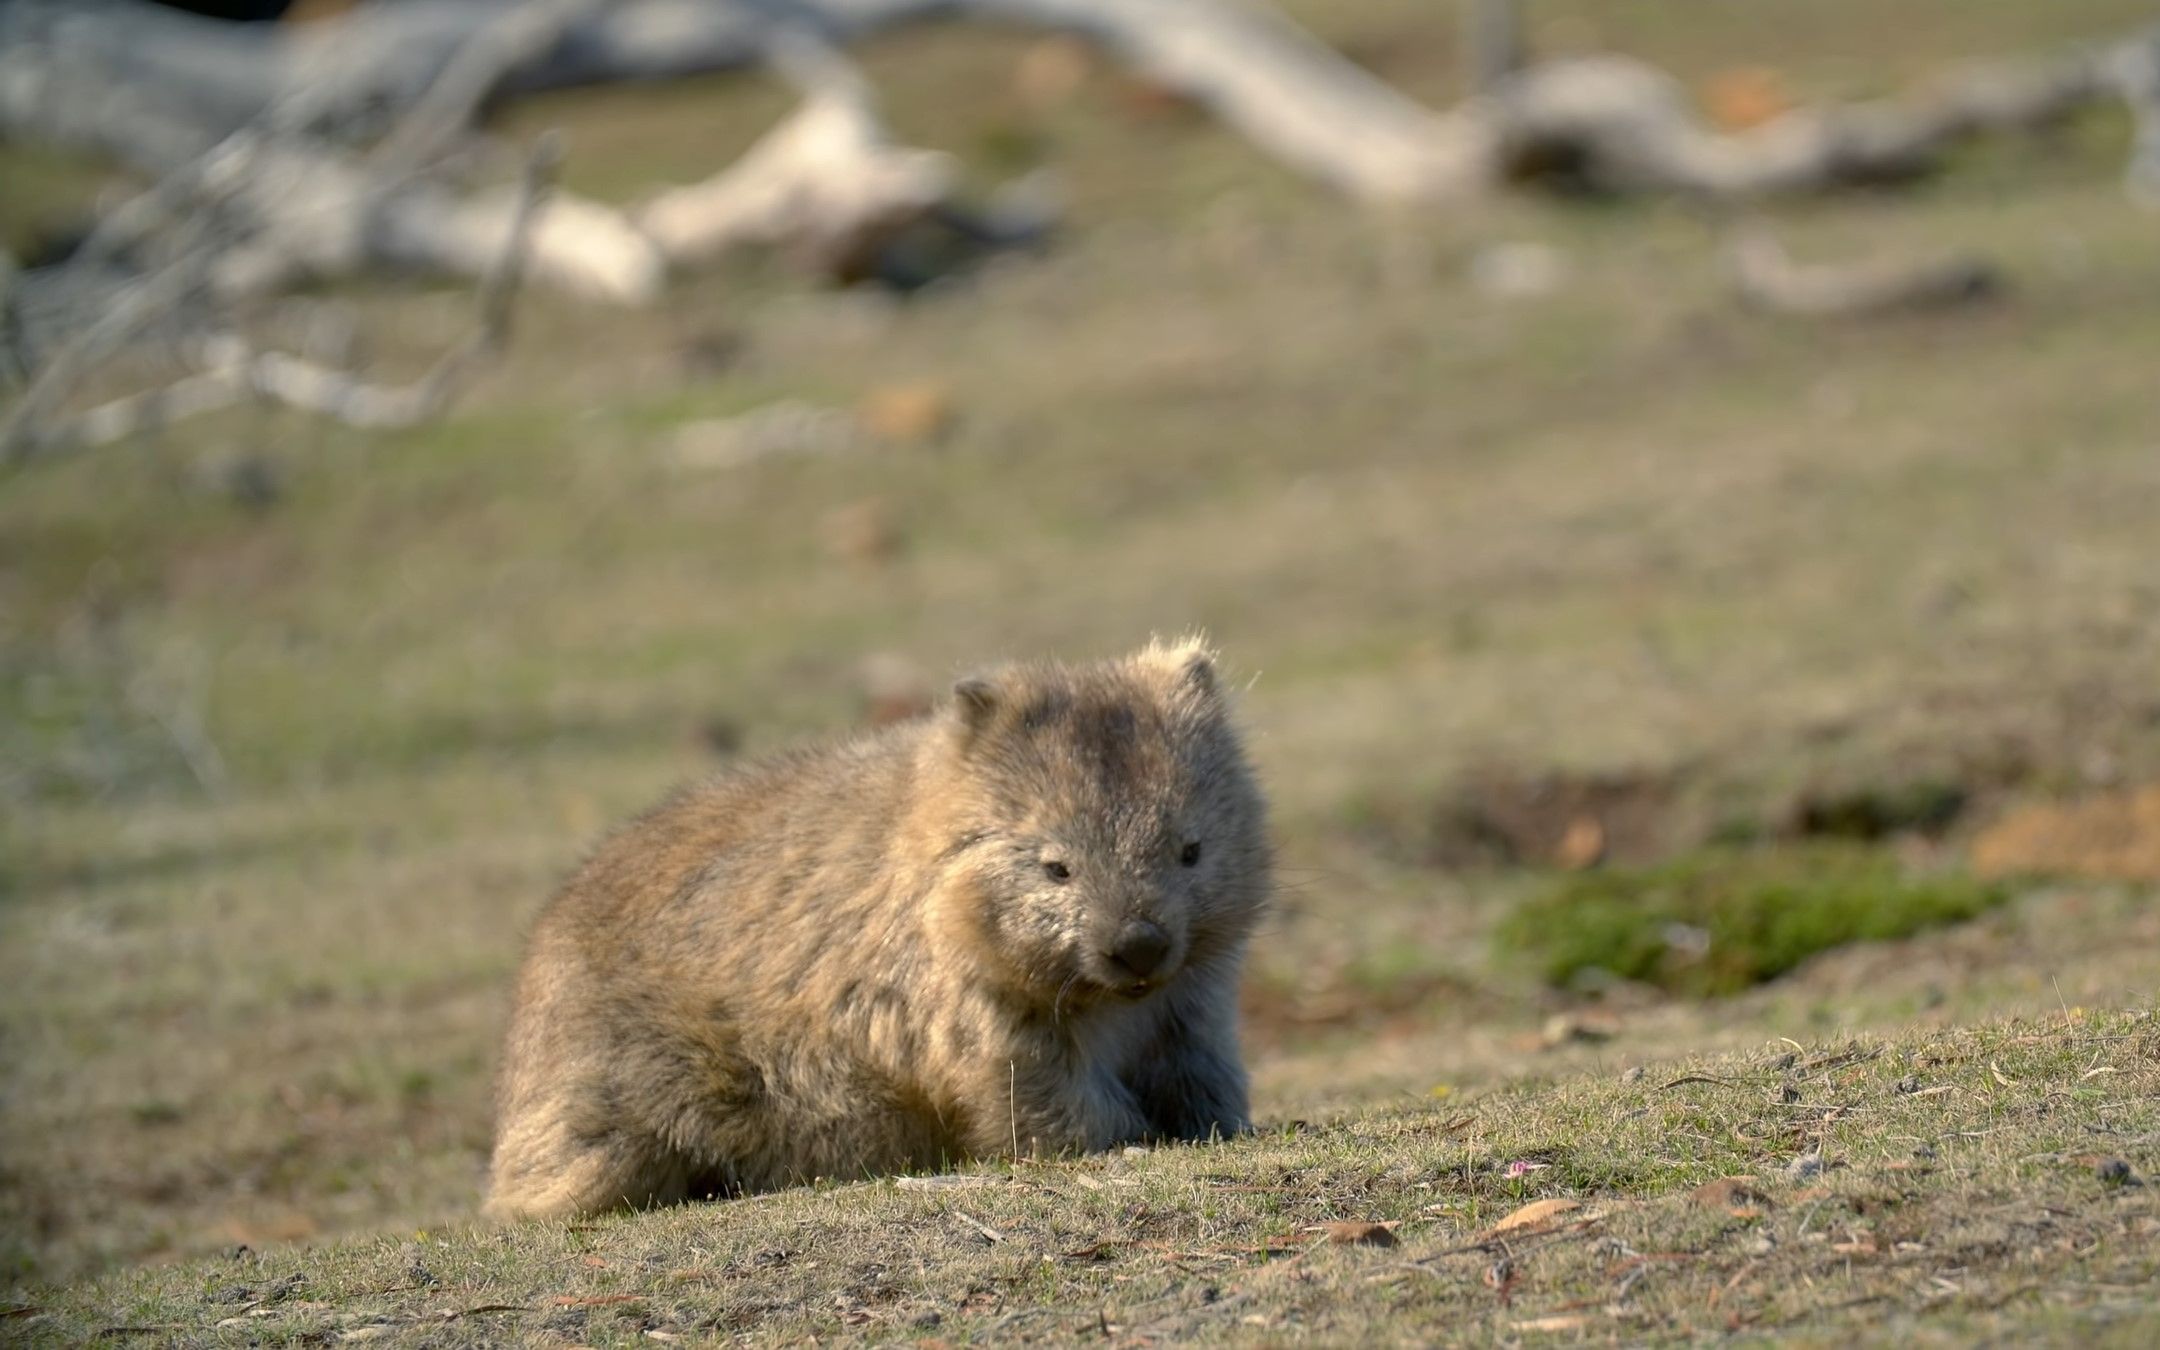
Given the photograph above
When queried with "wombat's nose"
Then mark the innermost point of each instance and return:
(1141, 947)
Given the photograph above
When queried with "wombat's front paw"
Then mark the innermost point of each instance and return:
(1202, 1098)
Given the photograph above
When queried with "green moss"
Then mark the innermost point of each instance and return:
(1721, 920)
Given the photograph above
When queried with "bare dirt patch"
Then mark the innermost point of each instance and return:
(2111, 835)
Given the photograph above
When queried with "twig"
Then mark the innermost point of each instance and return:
(233, 369)
(445, 112)
(992, 1235)
(1767, 278)
(135, 310)
(1697, 1078)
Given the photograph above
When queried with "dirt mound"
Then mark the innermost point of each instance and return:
(1555, 819)
(2116, 835)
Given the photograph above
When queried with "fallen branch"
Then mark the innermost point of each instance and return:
(231, 369)
(1615, 121)
(827, 186)
(303, 208)
(2132, 69)
(26, 431)
(1623, 126)
(1767, 278)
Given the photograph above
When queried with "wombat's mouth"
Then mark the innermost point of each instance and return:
(1113, 982)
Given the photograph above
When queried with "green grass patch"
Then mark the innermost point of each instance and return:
(1719, 921)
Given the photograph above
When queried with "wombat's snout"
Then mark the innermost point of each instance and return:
(1139, 949)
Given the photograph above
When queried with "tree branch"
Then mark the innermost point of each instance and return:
(1767, 278)
(232, 369)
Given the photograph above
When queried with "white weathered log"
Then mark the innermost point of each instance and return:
(1621, 123)
(828, 186)
(1292, 96)
(303, 208)
(2132, 70)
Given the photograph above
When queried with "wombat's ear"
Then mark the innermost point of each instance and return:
(1188, 664)
(975, 702)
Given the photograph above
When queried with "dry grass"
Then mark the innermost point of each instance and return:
(1621, 533)
(1983, 1182)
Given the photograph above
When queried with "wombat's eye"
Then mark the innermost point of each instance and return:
(1191, 856)
(1057, 871)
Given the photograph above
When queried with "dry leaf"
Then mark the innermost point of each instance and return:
(1729, 1193)
(1746, 97)
(1535, 1213)
(1357, 1232)
(907, 413)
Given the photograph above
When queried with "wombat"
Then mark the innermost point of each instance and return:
(1012, 924)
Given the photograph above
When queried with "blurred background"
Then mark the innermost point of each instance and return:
(1677, 483)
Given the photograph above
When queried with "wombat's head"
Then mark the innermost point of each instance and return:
(1106, 831)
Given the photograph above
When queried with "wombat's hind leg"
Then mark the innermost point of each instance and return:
(550, 1173)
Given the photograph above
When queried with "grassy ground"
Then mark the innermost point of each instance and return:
(284, 771)
(1983, 1183)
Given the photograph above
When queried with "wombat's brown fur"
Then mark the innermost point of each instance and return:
(1015, 923)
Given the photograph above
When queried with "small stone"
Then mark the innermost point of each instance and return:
(1804, 1167)
(1565, 1028)
(704, 355)
(2115, 1172)
(718, 736)
(1518, 269)
(250, 481)
(285, 1287)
